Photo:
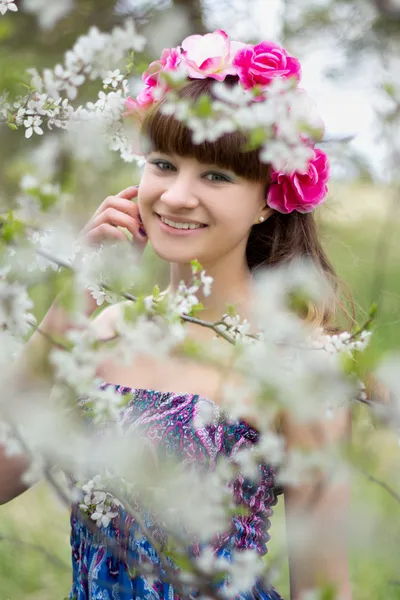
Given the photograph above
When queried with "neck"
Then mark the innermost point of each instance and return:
(232, 284)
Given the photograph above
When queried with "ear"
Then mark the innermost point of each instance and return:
(264, 214)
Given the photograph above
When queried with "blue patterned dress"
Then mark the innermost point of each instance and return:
(168, 419)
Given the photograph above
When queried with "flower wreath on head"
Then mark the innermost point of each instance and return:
(215, 56)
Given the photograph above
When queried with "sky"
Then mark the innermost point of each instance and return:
(348, 109)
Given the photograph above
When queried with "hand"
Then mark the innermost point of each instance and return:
(113, 212)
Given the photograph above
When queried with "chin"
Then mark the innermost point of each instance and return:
(178, 255)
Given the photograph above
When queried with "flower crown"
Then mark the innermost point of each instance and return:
(215, 56)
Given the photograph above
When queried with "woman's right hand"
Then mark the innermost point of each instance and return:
(113, 212)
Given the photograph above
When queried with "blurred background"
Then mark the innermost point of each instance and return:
(350, 51)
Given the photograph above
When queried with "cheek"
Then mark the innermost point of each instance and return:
(233, 227)
(238, 217)
(147, 195)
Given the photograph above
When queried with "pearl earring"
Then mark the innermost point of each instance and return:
(261, 219)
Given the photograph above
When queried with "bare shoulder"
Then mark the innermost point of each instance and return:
(104, 324)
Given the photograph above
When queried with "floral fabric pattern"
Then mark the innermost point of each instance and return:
(168, 419)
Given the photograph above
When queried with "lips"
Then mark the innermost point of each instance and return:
(198, 224)
(179, 231)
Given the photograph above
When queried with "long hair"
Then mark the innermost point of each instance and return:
(281, 237)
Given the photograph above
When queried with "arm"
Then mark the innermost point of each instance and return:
(30, 370)
(33, 367)
(317, 514)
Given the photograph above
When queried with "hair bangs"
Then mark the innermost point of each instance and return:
(164, 133)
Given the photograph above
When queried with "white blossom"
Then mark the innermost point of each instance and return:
(97, 503)
(207, 282)
(5, 106)
(236, 328)
(97, 293)
(48, 13)
(206, 413)
(32, 125)
(9, 441)
(6, 5)
(15, 305)
(113, 78)
(236, 95)
(246, 567)
(185, 298)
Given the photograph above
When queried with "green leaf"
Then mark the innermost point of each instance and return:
(191, 349)
(203, 107)
(171, 80)
(298, 302)
(12, 126)
(241, 511)
(389, 88)
(196, 266)
(180, 559)
(10, 227)
(220, 576)
(256, 139)
(195, 309)
(329, 592)
(231, 310)
(133, 572)
(373, 311)
(131, 62)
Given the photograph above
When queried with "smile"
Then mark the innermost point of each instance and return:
(178, 228)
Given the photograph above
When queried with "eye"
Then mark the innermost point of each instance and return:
(217, 177)
(163, 165)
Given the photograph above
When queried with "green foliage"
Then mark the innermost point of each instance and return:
(255, 139)
(203, 106)
(196, 266)
(10, 227)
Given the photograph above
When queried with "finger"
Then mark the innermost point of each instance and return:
(139, 232)
(126, 206)
(128, 193)
(105, 231)
(116, 218)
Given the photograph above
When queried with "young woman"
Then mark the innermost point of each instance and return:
(238, 218)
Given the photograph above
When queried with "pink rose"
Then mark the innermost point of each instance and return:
(169, 61)
(210, 55)
(137, 108)
(257, 65)
(300, 191)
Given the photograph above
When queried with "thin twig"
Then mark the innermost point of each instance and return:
(202, 585)
(49, 337)
(132, 298)
(382, 484)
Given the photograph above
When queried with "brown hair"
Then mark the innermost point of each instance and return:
(281, 237)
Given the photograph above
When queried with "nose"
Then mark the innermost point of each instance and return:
(180, 192)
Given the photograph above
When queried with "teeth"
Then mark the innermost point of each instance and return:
(181, 225)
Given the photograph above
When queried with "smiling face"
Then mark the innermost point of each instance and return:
(216, 184)
(222, 205)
